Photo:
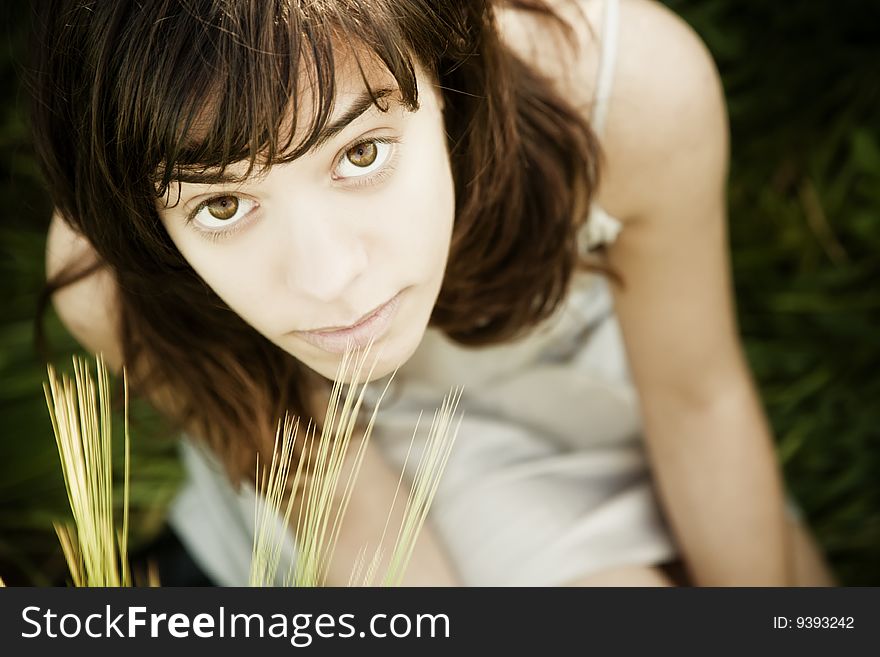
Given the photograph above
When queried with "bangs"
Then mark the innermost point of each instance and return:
(227, 82)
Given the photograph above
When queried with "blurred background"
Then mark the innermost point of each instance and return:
(803, 88)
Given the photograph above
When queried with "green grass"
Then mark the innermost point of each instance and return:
(801, 85)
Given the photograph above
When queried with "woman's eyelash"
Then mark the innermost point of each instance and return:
(217, 235)
(376, 178)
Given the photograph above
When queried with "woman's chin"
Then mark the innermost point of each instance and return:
(364, 366)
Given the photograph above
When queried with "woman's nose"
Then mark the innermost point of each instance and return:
(325, 257)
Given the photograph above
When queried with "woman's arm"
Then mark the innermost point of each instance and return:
(87, 308)
(706, 433)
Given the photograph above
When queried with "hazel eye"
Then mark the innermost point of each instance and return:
(222, 207)
(365, 158)
(220, 213)
(362, 155)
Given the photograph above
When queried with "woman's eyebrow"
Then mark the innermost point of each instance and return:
(362, 103)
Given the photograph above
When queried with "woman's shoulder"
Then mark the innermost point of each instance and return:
(569, 59)
(87, 308)
(664, 92)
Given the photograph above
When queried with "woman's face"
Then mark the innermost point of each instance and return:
(326, 239)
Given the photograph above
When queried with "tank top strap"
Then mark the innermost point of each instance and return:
(602, 228)
(607, 61)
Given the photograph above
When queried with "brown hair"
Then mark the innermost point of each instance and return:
(110, 126)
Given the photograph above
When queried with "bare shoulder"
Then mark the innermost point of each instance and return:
(568, 58)
(90, 311)
(87, 308)
(666, 99)
(667, 127)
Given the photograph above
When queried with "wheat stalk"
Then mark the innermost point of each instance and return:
(432, 464)
(317, 527)
(96, 553)
(316, 531)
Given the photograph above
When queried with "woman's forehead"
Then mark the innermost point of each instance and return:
(353, 75)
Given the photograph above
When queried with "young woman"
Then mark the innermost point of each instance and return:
(524, 198)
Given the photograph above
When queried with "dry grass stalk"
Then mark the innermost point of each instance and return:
(96, 553)
(429, 471)
(318, 527)
(268, 536)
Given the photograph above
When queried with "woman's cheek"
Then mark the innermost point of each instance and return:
(421, 221)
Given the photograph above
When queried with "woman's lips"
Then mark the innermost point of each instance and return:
(359, 335)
